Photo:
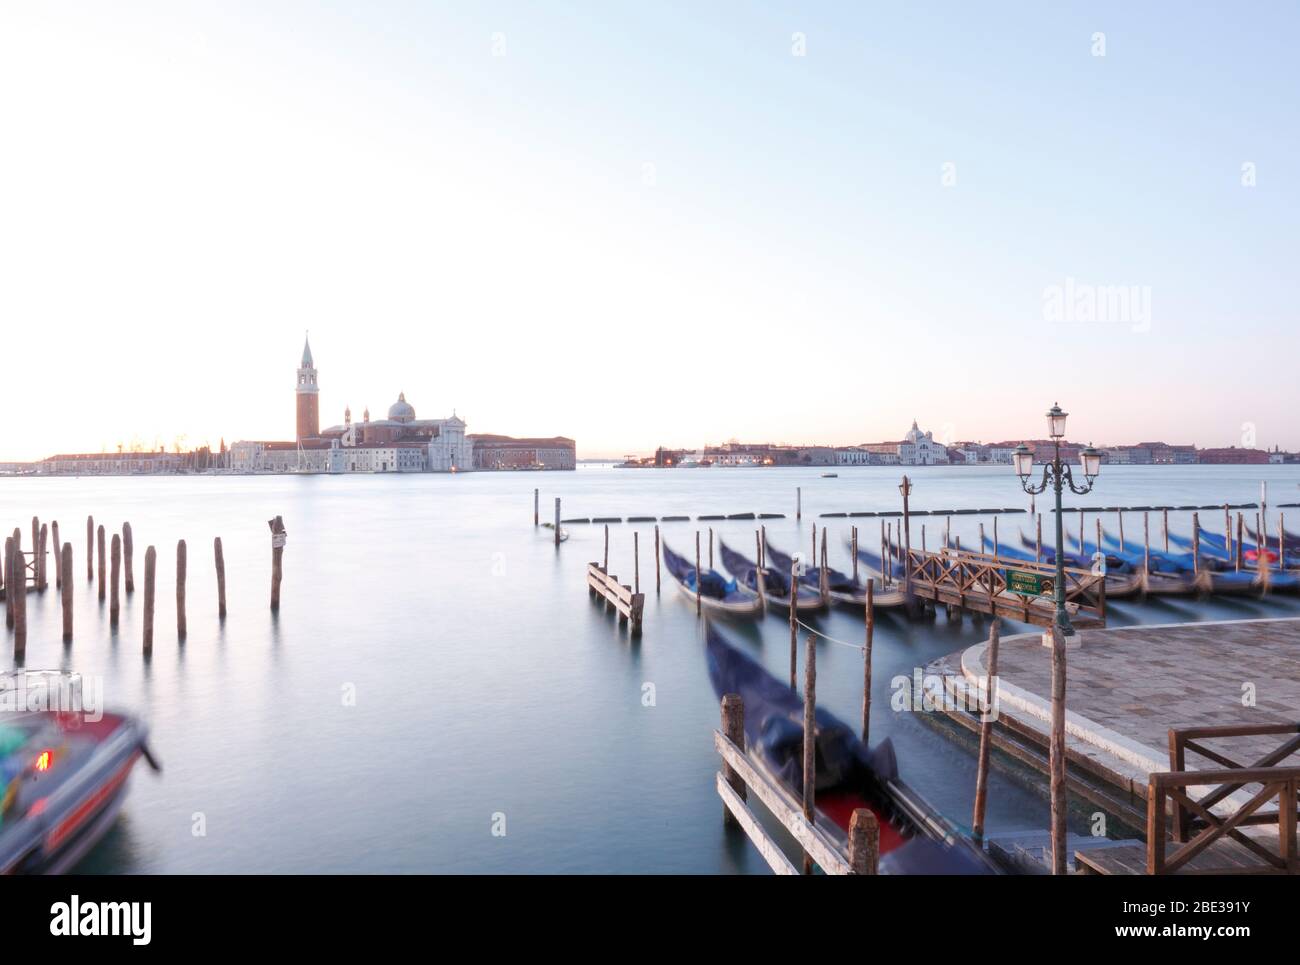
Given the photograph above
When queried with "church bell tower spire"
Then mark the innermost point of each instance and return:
(308, 396)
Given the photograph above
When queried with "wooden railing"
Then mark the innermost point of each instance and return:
(739, 776)
(978, 581)
(1195, 825)
(628, 604)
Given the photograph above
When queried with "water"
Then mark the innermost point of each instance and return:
(485, 680)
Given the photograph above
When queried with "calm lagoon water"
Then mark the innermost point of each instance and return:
(485, 680)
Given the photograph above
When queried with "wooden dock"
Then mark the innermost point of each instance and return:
(629, 604)
(1015, 589)
(1159, 717)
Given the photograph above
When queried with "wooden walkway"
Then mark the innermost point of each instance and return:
(985, 583)
(1223, 857)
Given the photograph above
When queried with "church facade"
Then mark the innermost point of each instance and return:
(398, 443)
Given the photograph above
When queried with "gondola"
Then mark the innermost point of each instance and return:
(776, 584)
(914, 837)
(717, 593)
(63, 773)
(1223, 575)
(841, 586)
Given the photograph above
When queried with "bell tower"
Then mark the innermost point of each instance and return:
(308, 396)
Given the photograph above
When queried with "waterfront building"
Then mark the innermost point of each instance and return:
(1233, 455)
(398, 443)
(506, 452)
(917, 448)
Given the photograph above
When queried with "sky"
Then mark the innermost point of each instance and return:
(640, 224)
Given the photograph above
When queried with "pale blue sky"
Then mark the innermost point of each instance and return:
(187, 187)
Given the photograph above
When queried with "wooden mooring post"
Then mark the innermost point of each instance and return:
(9, 582)
(606, 563)
(870, 618)
(114, 605)
(1164, 513)
(150, 572)
(1241, 525)
(537, 507)
(733, 727)
(102, 569)
(798, 502)
(699, 606)
(989, 710)
(66, 591)
(128, 557)
(90, 548)
(1196, 544)
(220, 558)
(656, 558)
(16, 593)
(41, 538)
(636, 561)
(855, 554)
(809, 737)
(279, 536)
(557, 522)
(180, 589)
(710, 547)
(794, 627)
(58, 555)
(1056, 746)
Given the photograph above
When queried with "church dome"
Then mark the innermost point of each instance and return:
(401, 410)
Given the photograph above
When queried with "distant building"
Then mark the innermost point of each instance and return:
(1233, 456)
(917, 448)
(399, 443)
(129, 463)
(505, 452)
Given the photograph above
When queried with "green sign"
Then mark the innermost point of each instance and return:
(1028, 584)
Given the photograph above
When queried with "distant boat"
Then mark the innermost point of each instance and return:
(914, 837)
(717, 593)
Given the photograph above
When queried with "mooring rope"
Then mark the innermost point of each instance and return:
(860, 647)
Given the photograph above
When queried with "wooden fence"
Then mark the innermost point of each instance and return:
(628, 604)
(979, 582)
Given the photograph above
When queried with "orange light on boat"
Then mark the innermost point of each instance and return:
(44, 760)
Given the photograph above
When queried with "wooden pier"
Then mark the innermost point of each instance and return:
(1148, 708)
(629, 604)
(1016, 589)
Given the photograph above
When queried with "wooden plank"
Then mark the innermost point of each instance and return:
(773, 855)
(811, 838)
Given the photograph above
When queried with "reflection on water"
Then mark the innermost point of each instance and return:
(484, 679)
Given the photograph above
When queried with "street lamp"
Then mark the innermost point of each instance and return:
(905, 488)
(1057, 475)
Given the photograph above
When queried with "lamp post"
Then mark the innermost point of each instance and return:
(1057, 475)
